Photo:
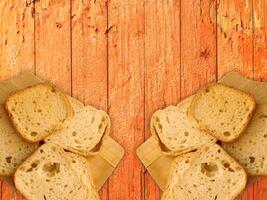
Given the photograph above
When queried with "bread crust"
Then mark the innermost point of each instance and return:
(70, 112)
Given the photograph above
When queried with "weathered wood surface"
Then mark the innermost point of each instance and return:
(126, 93)
(89, 56)
(162, 66)
(131, 57)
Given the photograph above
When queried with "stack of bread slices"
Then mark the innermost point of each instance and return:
(218, 137)
(45, 138)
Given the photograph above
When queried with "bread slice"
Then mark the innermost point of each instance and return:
(251, 148)
(38, 111)
(51, 173)
(222, 111)
(84, 132)
(176, 132)
(13, 148)
(213, 174)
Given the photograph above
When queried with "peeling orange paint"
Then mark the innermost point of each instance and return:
(45, 4)
(234, 16)
(235, 36)
(212, 12)
(16, 33)
(260, 39)
(198, 45)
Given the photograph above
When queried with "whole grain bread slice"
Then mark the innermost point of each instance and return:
(13, 148)
(84, 131)
(212, 174)
(51, 173)
(250, 149)
(222, 111)
(176, 132)
(38, 111)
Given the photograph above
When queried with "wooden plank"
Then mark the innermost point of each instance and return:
(260, 69)
(52, 41)
(198, 44)
(89, 52)
(260, 39)
(16, 33)
(126, 93)
(16, 50)
(235, 46)
(7, 193)
(260, 189)
(162, 65)
(89, 56)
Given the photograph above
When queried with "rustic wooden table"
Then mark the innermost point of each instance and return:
(131, 57)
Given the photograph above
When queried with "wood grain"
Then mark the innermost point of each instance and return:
(89, 52)
(235, 37)
(260, 39)
(260, 69)
(7, 193)
(198, 44)
(52, 42)
(126, 93)
(260, 190)
(16, 37)
(162, 66)
(89, 56)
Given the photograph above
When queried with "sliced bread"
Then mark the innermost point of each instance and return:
(250, 149)
(84, 131)
(13, 148)
(212, 174)
(222, 111)
(38, 111)
(51, 173)
(176, 132)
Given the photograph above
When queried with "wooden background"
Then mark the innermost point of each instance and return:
(131, 57)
